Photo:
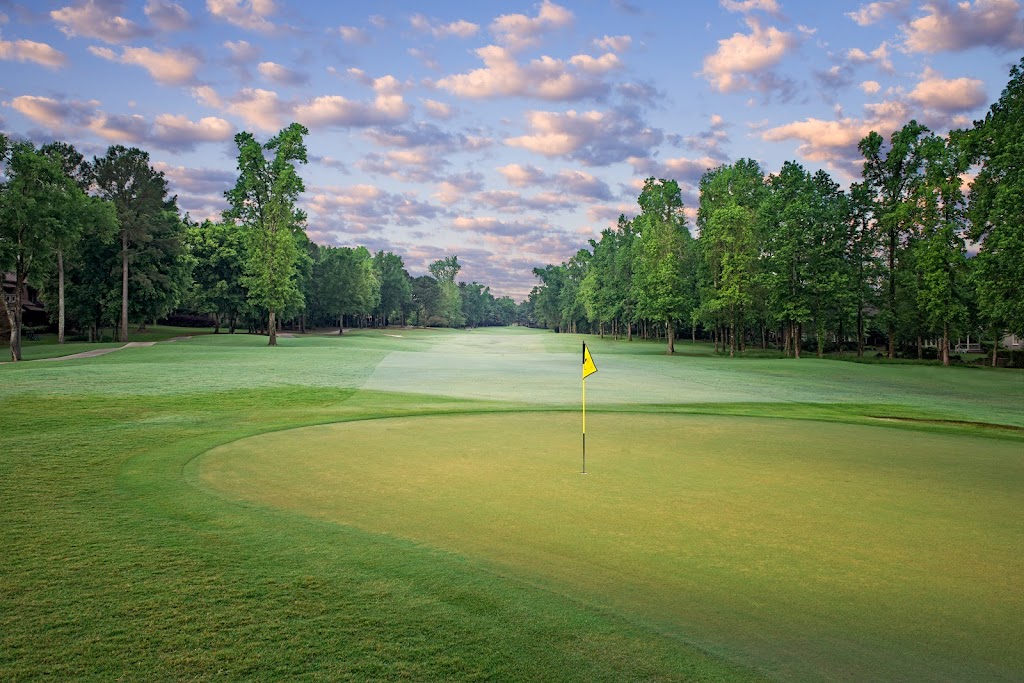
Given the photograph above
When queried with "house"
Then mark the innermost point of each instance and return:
(33, 311)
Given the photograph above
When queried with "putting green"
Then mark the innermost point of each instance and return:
(807, 549)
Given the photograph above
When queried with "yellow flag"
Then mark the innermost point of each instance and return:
(588, 363)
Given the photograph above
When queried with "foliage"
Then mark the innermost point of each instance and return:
(263, 202)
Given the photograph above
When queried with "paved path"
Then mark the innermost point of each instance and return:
(99, 352)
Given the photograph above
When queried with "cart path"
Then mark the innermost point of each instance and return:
(99, 352)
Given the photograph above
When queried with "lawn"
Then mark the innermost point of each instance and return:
(162, 517)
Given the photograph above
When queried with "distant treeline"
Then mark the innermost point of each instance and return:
(789, 257)
(105, 243)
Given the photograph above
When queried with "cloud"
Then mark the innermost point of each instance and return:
(711, 140)
(260, 108)
(613, 43)
(681, 169)
(879, 56)
(743, 62)
(567, 182)
(265, 109)
(454, 188)
(354, 35)
(438, 110)
(870, 87)
(518, 31)
(247, 14)
(388, 107)
(167, 131)
(594, 138)
(745, 6)
(200, 190)
(174, 133)
(92, 19)
(52, 113)
(834, 142)
(31, 51)
(208, 96)
(167, 16)
(954, 28)
(169, 67)
(544, 78)
(948, 95)
(420, 153)
(281, 75)
(508, 201)
(874, 12)
(367, 208)
(459, 29)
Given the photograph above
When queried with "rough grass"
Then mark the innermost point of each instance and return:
(118, 563)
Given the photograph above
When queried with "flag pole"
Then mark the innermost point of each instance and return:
(584, 425)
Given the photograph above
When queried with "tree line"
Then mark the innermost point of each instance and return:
(791, 257)
(105, 243)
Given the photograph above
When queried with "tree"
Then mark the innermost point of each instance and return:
(426, 297)
(83, 215)
(996, 209)
(660, 282)
(33, 201)
(218, 250)
(942, 255)
(346, 282)
(263, 201)
(395, 291)
(450, 302)
(893, 176)
(730, 201)
(139, 194)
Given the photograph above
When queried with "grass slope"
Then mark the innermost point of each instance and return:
(118, 563)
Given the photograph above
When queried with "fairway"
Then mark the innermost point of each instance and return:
(408, 504)
(796, 546)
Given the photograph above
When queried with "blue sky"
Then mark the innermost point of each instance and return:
(508, 133)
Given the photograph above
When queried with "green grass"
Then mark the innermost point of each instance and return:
(46, 346)
(121, 560)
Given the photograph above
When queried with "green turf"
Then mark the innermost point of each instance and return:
(118, 563)
(743, 534)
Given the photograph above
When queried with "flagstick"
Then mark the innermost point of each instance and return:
(584, 426)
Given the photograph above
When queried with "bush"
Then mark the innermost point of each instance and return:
(188, 320)
(1016, 359)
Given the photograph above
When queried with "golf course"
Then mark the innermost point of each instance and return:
(410, 504)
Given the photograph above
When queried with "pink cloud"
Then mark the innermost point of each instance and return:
(954, 28)
(518, 31)
(31, 51)
(545, 78)
(94, 20)
(743, 61)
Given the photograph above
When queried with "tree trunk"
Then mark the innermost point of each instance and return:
(272, 329)
(798, 333)
(995, 347)
(124, 285)
(945, 344)
(670, 334)
(14, 318)
(920, 347)
(341, 324)
(860, 332)
(693, 333)
(821, 347)
(629, 330)
(60, 296)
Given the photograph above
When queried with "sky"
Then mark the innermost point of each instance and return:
(508, 133)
